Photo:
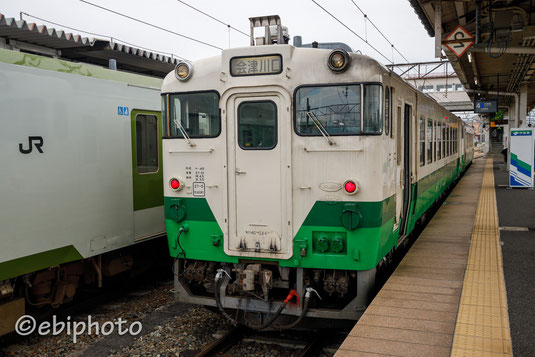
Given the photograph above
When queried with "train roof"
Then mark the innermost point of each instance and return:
(42, 40)
(212, 72)
(208, 72)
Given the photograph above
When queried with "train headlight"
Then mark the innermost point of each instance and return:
(183, 71)
(339, 60)
(351, 187)
(176, 184)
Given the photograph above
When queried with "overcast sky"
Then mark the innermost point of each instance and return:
(395, 18)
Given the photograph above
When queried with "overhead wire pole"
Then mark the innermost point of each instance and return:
(392, 65)
(151, 25)
(230, 27)
(214, 18)
(360, 37)
(353, 32)
(394, 48)
(366, 17)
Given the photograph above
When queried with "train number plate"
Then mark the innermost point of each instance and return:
(260, 238)
(198, 189)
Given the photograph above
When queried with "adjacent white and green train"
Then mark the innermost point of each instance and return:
(81, 177)
(291, 170)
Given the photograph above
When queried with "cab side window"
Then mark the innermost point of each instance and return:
(388, 110)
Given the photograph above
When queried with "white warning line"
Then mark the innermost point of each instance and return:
(514, 229)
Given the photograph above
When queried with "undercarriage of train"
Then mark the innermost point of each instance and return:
(265, 291)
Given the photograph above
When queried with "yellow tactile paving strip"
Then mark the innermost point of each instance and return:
(482, 327)
(415, 313)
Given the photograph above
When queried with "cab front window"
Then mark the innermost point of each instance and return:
(194, 114)
(347, 109)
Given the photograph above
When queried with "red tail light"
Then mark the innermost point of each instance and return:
(175, 184)
(350, 187)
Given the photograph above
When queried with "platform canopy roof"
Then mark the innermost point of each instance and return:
(503, 60)
(40, 39)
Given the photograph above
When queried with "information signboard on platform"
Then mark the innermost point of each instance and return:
(485, 106)
(522, 157)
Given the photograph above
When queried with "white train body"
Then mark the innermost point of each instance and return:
(79, 190)
(275, 199)
(81, 176)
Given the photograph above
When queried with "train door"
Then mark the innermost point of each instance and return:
(399, 163)
(259, 133)
(462, 145)
(146, 131)
(406, 171)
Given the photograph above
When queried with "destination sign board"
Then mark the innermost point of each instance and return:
(254, 66)
(485, 106)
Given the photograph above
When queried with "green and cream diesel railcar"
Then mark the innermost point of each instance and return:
(297, 169)
(81, 177)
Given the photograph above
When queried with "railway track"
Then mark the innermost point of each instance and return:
(304, 343)
(315, 343)
(235, 342)
(129, 298)
(220, 346)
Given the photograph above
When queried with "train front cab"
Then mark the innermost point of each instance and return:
(262, 181)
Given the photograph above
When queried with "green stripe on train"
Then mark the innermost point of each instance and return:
(364, 246)
(429, 189)
(82, 69)
(374, 214)
(34, 262)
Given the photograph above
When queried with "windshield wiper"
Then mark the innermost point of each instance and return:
(320, 127)
(181, 128)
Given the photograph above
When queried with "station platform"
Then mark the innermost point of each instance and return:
(447, 297)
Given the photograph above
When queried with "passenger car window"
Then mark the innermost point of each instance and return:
(429, 141)
(146, 143)
(422, 141)
(257, 125)
(439, 140)
(447, 139)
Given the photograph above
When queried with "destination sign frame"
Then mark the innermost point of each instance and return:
(485, 106)
(244, 66)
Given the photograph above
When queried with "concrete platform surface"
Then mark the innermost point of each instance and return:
(516, 208)
(415, 313)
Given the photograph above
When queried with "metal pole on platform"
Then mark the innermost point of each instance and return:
(478, 21)
(438, 29)
(523, 110)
